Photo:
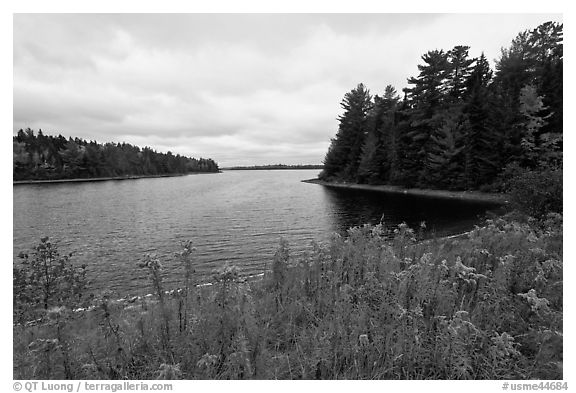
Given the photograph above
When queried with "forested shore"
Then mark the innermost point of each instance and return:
(473, 196)
(459, 125)
(274, 167)
(47, 157)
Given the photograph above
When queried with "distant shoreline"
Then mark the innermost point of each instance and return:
(273, 168)
(96, 179)
(472, 196)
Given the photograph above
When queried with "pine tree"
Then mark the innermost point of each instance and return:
(343, 157)
(444, 161)
(404, 169)
(368, 168)
(427, 98)
(482, 142)
(443, 165)
(378, 151)
(460, 68)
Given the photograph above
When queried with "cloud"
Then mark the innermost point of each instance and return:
(242, 89)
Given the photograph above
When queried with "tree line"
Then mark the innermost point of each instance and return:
(277, 166)
(460, 125)
(46, 157)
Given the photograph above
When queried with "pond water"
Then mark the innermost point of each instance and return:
(233, 216)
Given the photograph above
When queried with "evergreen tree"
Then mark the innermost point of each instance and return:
(386, 154)
(378, 151)
(404, 170)
(427, 98)
(343, 157)
(368, 168)
(459, 70)
(443, 166)
(482, 147)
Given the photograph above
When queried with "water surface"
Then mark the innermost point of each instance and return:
(234, 216)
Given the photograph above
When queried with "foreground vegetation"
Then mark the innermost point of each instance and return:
(366, 305)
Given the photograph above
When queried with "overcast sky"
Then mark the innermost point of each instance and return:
(241, 89)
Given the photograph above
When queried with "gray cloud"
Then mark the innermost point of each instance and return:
(242, 89)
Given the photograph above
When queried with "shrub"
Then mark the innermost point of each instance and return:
(537, 193)
(46, 279)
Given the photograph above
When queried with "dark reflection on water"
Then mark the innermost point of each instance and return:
(441, 216)
(236, 217)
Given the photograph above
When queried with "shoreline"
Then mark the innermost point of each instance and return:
(268, 169)
(97, 179)
(472, 196)
(128, 301)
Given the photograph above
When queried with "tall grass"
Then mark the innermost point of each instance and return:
(361, 306)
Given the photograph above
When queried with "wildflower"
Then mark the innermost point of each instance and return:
(400, 275)
(461, 326)
(207, 361)
(504, 345)
(462, 269)
(227, 273)
(536, 303)
(169, 371)
(443, 267)
(538, 252)
(151, 262)
(89, 368)
(378, 231)
(426, 258)
(187, 249)
(551, 266)
(506, 260)
(187, 246)
(418, 311)
(402, 311)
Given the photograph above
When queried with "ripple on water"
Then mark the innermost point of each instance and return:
(233, 217)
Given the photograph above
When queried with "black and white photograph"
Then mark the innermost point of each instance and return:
(287, 196)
